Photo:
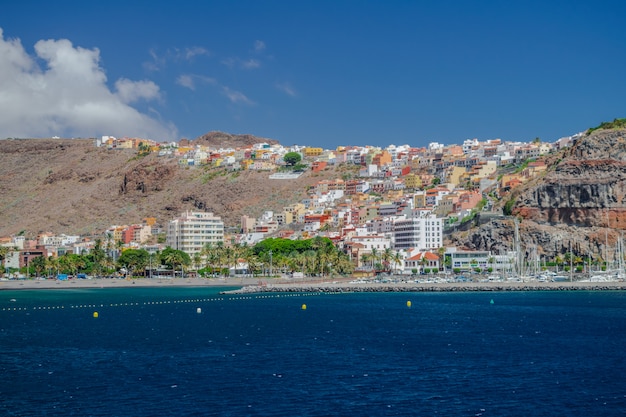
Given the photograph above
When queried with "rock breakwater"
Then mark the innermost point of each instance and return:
(471, 287)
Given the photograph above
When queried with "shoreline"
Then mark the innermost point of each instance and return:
(251, 285)
(96, 283)
(433, 287)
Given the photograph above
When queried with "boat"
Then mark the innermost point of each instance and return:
(560, 278)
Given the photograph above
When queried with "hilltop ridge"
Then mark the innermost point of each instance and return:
(217, 140)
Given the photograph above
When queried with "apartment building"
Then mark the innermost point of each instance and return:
(423, 233)
(193, 230)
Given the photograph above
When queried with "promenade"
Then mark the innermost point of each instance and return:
(331, 285)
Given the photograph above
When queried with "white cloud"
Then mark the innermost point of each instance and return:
(236, 96)
(173, 55)
(186, 81)
(189, 53)
(189, 80)
(69, 96)
(287, 89)
(240, 63)
(130, 91)
(251, 64)
(259, 46)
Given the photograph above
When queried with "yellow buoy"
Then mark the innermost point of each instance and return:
(408, 304)
(95, 314)
(304, 306)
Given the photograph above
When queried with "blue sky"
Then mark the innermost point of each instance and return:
(321, 73)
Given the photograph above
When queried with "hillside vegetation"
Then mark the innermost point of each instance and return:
(615, 124)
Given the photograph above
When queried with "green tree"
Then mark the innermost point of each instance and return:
(387, 257)
(292, 158)
(397, 259)
(39, 264)
(4, 251)
(175, 259)
(98, 256)
(70, 263)
(144, 149)
(134, 260)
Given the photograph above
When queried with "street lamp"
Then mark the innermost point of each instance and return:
(270, 252)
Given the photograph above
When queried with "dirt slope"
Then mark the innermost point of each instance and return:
(70, 186)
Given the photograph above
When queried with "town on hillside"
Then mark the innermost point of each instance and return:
(386, 216)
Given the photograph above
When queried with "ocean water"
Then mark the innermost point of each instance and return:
(150, 352)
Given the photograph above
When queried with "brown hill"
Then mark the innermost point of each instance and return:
(218, 140)
(73, 187)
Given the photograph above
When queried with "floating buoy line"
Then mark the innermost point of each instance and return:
(151, 303)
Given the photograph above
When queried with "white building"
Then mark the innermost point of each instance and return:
(193, 230)
(372, 242)
(483, 260)
(423, 233)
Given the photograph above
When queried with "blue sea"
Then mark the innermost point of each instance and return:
(194, 352)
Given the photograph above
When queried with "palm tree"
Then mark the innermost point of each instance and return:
(66, 264)
(39, 265)
(310, 261)
(197, 261)
(423, 262)
(374, 257)
(174, 258)
(441, 252)
(211, 256)
(253, 263)
(386, 257)
(558, 260)
(397, 258)
(343, 264)
(98, 255)
(365, 259)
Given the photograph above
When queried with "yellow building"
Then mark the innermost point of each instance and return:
(296, 210)
(184, 149)
(412, 181)
(311, 152)
(484, 169)
(286, 217)
(419, 200)
(455, 175)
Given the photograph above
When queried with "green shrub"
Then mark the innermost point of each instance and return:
(615, 124)
(508, 207)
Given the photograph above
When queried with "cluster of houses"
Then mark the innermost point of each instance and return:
(397, 199)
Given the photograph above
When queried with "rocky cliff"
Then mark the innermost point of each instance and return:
(580, 203)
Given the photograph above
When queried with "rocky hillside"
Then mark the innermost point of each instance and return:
(70, 186)
(579, 203)
(219, 140)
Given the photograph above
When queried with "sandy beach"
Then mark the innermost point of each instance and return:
(252, 285)
(52, 284)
